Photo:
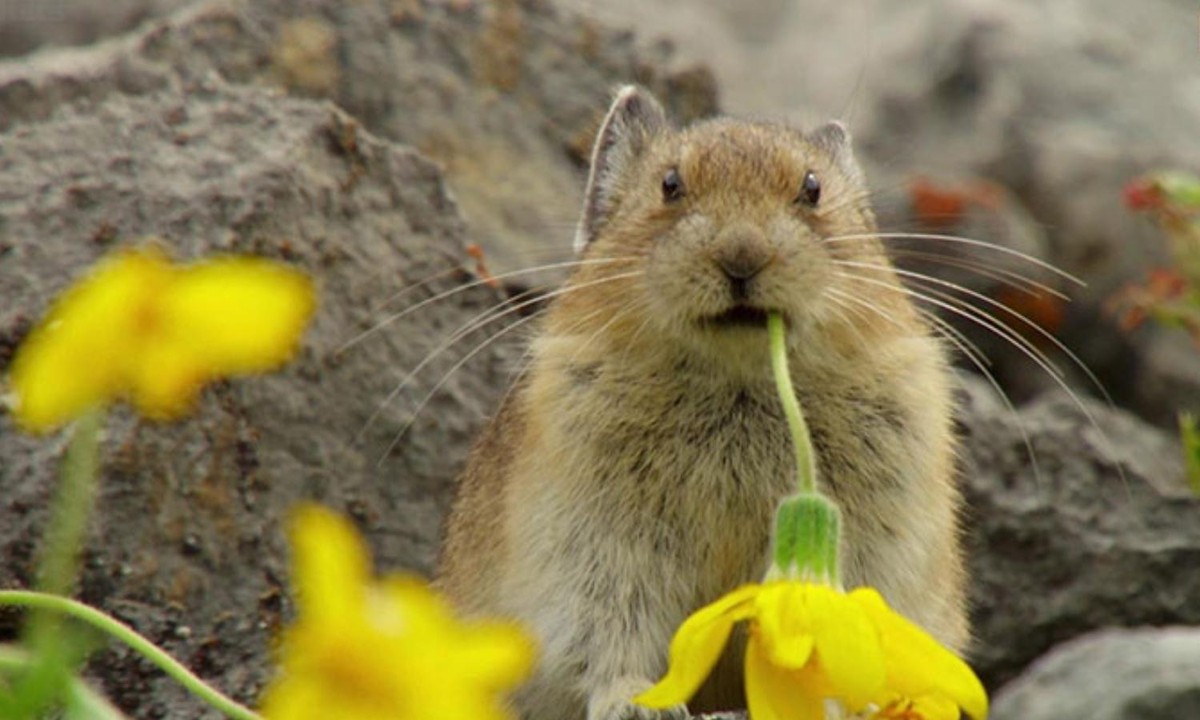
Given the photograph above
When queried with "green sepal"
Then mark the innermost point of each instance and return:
(807, 539)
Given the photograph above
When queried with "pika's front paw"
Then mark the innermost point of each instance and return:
(616, 703)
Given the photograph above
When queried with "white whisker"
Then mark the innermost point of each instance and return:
(619, 315)
(964, 241)
(858, 306)
(485, 318)
(1058, 344)
(970, 312)
(454, 368)
(972, 351)
(842, 302)
(479, 348)
(458, 289)
(975, 315)
(1008, 278)
(982, 363)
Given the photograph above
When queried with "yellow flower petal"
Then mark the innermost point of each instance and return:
(492, 653)
(847, 647)
(697, 646)
(499, 655)
(917, 665)
(49, 388)
(366, 649)
(331, 564)
(240, 314)
(922, 708)
(78, 357)
(164, 379)
(811, 644)
(781, 613)
(930, 707)
(138, 327)
(775, 693)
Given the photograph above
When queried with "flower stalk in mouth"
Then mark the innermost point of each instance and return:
(811, 644)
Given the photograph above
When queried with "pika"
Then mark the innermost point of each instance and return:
(632, 474)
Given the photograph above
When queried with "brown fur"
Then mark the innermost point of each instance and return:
(633, 474)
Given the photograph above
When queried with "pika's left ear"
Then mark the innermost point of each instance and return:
(834, 138)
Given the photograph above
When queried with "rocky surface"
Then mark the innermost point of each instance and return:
(1147, 674)
(506, 94)
(1094, 536)
(27, 25)
(369, 143)
(186, 542)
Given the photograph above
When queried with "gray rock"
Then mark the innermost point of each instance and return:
(1074, 546)
(30, 24)
(1164, 375)
(188, 528)
(1145, 674)
(506, 95)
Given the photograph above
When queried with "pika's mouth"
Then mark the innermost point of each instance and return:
(738, 316)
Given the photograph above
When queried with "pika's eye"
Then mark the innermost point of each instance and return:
(672, 186)
(810, 190)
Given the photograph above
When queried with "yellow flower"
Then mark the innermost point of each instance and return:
(367, 650)
(139, 328)
(926, 707)
(810, 643)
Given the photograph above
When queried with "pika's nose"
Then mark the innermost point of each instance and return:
(741, 257)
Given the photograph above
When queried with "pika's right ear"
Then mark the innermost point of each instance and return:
(632, 121)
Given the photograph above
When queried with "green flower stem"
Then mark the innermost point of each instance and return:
(54, 652)
(807, 537)
(73, 505)
(82, 701)
(129, 636)
(806, 466)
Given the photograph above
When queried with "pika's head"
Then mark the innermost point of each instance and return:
(727, 221)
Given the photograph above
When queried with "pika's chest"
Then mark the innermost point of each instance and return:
(698, 449)
(692, 472)
(675, 451)
(691, 477)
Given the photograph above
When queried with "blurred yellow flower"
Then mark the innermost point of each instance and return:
(389, 648)
(140, 328)
(810, 643)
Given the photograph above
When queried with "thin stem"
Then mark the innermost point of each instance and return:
(72, 506)
(137, 642)
(806, 466)
(55, 653)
